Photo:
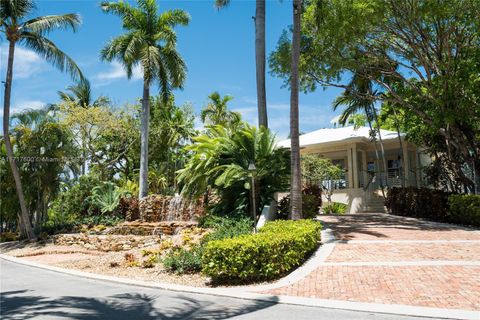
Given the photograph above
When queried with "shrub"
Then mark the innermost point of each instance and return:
(335, 208)
(225, 227)
(181, 260)
(315, 191)
(418, 202)
(311, 202)
(74, 202)
(279, 247)
(464, 209)
(8, 236)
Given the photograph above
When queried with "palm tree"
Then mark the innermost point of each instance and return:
(216, 111)
(81, 95)
(150, 42)
(259, 57)
(296, 171)
(359, 97)
(31, 34)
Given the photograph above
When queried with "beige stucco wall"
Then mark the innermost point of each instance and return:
(353, 198)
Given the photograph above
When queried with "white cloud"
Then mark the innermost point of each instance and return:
(25, 105)
(25, 64)
(116, 72)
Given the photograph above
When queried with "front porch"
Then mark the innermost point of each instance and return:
(361, 186)
(361, 159)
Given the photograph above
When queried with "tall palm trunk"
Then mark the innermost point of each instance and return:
(23, 217)
(296, 174)
(260, 62)
(404, 156)
(377, 156)
(385, 168)
(144, 140)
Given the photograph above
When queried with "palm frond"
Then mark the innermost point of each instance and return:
(17, 9)
(173, 18)
(221, 3)
(46, 24)
(131, 16)
(50, 52)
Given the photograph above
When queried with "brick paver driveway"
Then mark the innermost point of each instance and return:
(381, 258)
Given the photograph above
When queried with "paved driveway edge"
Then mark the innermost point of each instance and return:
(242, 294)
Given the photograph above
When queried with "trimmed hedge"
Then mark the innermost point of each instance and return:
(434, 205)
(418, 202)
(276, 249)
(464, 209)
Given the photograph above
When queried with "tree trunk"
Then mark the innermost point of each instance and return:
(377, 157)
(260, 62)
(296, 174)
(385, 168)
(404, 156)
(23, 217)
(144, 140)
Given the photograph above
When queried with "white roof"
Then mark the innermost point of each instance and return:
(337, 135)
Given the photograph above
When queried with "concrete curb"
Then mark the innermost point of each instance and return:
(241, 294)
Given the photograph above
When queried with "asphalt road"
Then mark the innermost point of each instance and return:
(32, 293)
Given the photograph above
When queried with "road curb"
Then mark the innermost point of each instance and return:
(242, 294)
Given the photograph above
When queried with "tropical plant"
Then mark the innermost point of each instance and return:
(107, 197)
(149, 41)
(360, 97)
(259, 57)
(216, 111)
(219, 162)
(30, 33)
(48, 159)
(172, 127)
(81, 94)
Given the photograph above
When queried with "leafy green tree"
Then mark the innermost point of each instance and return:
(216, 111)
(149, 41)
(30, 33)
(219, 162)
(259, 57)
(47, 158)
(423, 58)
(172, 127)
(81, 95)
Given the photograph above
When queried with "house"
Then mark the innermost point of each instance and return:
(355, 151)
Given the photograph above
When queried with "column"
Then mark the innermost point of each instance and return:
(355, 183)
(349, 167)
(364, 167)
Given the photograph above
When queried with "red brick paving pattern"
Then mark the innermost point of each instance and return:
(391, 233)
(441, 286)
(356, 252)
(454, 287)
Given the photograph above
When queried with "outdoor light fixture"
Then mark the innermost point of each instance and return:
(252, 169)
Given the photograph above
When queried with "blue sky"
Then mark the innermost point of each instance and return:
(218, 47)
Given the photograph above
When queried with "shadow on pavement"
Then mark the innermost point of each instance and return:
(346, 227)
(21, 305)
